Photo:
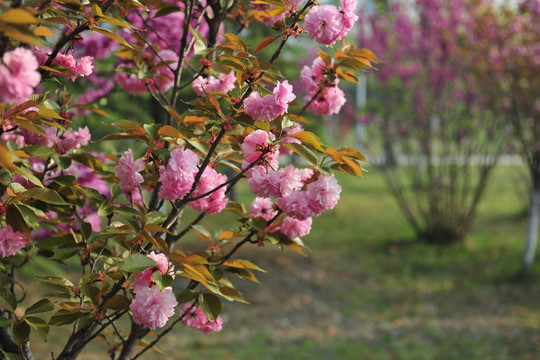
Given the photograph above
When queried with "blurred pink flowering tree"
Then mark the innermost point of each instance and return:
(508, 68)
(117, 216)
(433, 116)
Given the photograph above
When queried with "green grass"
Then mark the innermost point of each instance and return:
(368, 290)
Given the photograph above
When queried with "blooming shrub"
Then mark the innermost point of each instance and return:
(65, 197)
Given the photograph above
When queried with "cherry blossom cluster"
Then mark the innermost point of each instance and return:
(11, 242)
(128, 171)
(178, 177)
(152, 306)
(270, 106)
(18, 75)
(162, 55)
(300, 193)
(195, 318)
(63, 142)
(327, 24)
(321, 85)
(77, 67)
(223, 83)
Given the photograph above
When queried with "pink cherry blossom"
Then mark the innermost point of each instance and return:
(32, 138)
(296, 205)
(197, 319)
(306, 174)
(323, 23)
(270, 106)
(85, 66)
(313, 75)
(144, 279)
(18, 75)
(283, 95)
(258, 142)
(223, 83)
(262, 207)
(261, 108)
(328, 102)
(214, 202)
(127, 171)
(292, 227)
(265, 182)
(153, 307)
(80, 67)
(71, 139)
(177, 177)
(348, 17)
(323, 194)
(11, 242)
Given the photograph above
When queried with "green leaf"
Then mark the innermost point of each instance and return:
(92, 292)
(15, 218)
(46, 195)
(211, 305)
(39, 151)
(7, 300)
(136, 263)
(259, 223)
(155, 217)
(185, 296)
(4, 322)
(66, 180)
(62, 162)
(10, 356)
(265, 125)
(117, 302)
(111, 35)
(42, 305)
(166, 10)
(231, 294)
(199, 47)
(309, 139)
(304, 152)
(64, 317)
(88, 160)
(17, 188)
(39, 325)
(29, 216)
(21, 331)
(162, 281)
(105, 208)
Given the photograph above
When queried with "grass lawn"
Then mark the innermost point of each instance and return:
(369, 291)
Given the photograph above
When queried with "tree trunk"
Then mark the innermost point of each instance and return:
(137, 333)
(532, 230)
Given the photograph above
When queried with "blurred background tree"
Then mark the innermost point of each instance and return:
(434, 126)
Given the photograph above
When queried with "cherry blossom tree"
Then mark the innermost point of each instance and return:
(431, 115)
(117, 216)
